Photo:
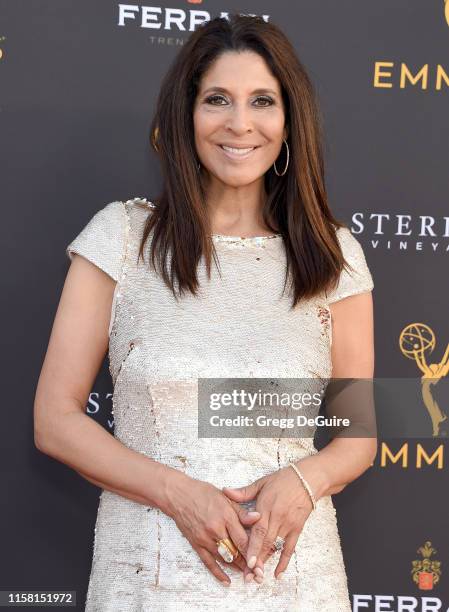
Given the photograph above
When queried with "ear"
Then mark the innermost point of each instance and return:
(286, 132)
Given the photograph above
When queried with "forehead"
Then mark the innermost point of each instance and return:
(239, 71)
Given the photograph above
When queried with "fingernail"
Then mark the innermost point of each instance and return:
(280, 575)
(258, 571)
(252, 562)
(253, 513)
(225, 582)
(249, 577)
(258, 579)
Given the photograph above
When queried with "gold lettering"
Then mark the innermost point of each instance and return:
(387, 78)
(387, 454)
(422, 454)
(378, 73)
(422, 74)
(441, 74)
(422, 457)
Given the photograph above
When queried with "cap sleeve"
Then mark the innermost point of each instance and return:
(101, 241)
(356, 280)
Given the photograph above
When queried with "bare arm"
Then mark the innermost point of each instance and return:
(280, 497)
(345, 459)
(77, 347)
(76, 350)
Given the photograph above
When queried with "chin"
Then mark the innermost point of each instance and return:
(237, 179)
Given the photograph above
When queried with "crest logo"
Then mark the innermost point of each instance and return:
(425, 572)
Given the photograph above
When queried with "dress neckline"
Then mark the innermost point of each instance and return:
(248, 240)
(228, 239)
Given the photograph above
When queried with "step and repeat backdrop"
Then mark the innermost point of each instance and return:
(78, 83)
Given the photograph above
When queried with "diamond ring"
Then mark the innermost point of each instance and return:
(278, 544)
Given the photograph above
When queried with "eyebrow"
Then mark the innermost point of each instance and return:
(255, 91)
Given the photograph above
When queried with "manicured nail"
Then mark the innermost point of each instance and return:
(225, 582)
(254, 513)
(249, 577)
(280, 575)
(258, 579)
(252, 562)
(258, 571)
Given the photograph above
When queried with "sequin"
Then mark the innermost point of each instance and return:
(245, 242)
(240, 325)
(324, 315)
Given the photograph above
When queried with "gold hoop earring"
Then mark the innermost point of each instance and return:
(286, 165)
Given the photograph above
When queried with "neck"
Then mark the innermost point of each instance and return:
(236, 210)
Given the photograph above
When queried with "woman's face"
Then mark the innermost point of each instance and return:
(239, 106)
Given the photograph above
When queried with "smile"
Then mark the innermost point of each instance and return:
(237, 153)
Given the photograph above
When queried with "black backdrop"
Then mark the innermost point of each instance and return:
(77, 89)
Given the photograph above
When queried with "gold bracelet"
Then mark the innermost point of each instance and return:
(305, 483)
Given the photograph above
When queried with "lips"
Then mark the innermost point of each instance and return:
(237, 152)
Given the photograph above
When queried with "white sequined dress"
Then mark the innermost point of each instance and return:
(240, 327)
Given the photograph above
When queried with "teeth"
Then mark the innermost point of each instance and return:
(237, 151)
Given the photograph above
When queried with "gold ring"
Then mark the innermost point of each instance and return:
(227, 550)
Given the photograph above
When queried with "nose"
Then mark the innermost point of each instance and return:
(239, 120)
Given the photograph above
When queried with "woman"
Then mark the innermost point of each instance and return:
(237, 133)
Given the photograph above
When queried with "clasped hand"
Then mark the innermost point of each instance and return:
(206, 514)
(284, 506)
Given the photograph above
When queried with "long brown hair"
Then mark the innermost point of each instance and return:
(296, 203)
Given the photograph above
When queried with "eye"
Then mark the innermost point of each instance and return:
(216, 100)
(267, 99)
(211, 99)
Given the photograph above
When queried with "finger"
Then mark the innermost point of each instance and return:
(237, 534)
(287, 551)
(262, 559)
(248, 575)
(257, 536)
(243, 494)
(208, 559)
(259, 568)
(245, 517)
(225, 534)
(238, 564)
(274, 530)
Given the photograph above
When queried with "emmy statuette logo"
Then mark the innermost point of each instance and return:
(426, 572)
(446, 10)
(415, 341)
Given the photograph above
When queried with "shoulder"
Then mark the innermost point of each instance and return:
(103, 239)
(349, 244)
(356, 276)
(110, 220)
(117, 208)
(138, 204)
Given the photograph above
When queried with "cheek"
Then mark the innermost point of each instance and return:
(273, 127)
(204, 125)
